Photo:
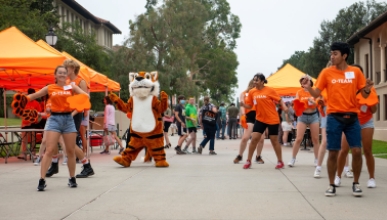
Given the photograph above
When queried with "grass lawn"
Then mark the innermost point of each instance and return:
(379, 147)
(11, 121)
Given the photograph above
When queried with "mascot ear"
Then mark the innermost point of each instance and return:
(131, 77)
(155, 76)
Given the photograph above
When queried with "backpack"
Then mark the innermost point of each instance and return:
(209, 117)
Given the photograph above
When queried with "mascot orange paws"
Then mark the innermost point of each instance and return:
(162, 163)
(163, 95)
(122, 160)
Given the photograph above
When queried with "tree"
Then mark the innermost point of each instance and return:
(32, 17)
(347, 22)
(184, 45)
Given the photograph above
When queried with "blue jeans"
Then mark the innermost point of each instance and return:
(210, 132)
(223, 126)
(334, 132)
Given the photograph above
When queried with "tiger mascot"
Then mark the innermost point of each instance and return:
(144, 109)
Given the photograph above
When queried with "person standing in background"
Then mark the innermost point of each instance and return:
(232, 120)
(223, 119)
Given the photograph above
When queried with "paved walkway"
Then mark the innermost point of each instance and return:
(193, 187)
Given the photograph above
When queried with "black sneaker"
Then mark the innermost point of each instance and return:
(72, 182)
(331, 191)
(42, 184)
(179, 151)
(259, 160)
(237, 159)
(200, 149)
(86, 171)
(356, 190)
(54, 169)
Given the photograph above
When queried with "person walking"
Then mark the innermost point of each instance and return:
(232, 112)
(168, 120)
(342, 82)
(207, 120)
(191, 117)
(263, 99)
(180, 123)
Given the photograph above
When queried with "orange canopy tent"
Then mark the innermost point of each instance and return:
(23, 63)
(96, 81)
(286, 81)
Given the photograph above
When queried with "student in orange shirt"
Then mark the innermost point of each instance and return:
(342, 82)
(59, 123)
(250, 119)
(309, 118)
(367, 132)
(263, 99)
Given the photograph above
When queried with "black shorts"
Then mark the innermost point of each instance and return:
(78, 120)
(260, 127)
(192, 129)
(181, 130)
(250, 117)
(167, 124)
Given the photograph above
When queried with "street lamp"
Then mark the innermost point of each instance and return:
(51, 37)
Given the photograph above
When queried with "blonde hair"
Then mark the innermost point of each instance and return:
(329, 63)
(250, 86)
(71, 63)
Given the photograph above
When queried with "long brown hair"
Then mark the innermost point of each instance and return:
(250, 85)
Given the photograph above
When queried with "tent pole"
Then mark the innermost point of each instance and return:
(106, 91)
(5, 108)
(87, 132)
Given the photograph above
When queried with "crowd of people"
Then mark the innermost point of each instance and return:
(330, 110)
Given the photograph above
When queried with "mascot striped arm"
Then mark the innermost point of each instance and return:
(146, 127)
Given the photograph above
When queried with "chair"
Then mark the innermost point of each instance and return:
(5, 148)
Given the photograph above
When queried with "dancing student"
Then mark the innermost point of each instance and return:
(207, 120)
(263, 98)
(59, 123)
(110, 124)
(72, 69)
(367, 131)
(191, 117)
(342, 82)
(250, 120)
(323, 144)
(309, 118)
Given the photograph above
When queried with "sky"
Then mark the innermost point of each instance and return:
(272, 30)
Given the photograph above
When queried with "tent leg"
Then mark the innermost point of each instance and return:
(5, 109)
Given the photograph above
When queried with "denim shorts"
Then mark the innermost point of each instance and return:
(323, 122)
(368, 124)
(308, 118)
(62, 123)
(335, 130)
(110, 127)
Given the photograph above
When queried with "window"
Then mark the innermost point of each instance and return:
(367, 66)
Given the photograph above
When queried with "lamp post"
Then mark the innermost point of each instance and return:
(51, 37)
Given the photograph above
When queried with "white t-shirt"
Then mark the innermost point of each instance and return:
(109, 115)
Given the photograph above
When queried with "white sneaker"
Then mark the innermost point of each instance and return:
(64, 161)
(317, 173)
(337, 181)
(371, 183)
(37, 161)
(292, 162)
(348, 174)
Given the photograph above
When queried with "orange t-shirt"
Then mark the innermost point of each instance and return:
(58, 98)
(31, 105)
(76, 81)
(263, 100)
(341, 87)
(304, 96)
(246, 95)
(365, 112)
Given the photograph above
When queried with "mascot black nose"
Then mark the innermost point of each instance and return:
(139, 78)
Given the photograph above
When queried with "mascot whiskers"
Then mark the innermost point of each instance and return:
(145, 109)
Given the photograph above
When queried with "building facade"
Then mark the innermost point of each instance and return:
(71, 11)
(370, 49)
